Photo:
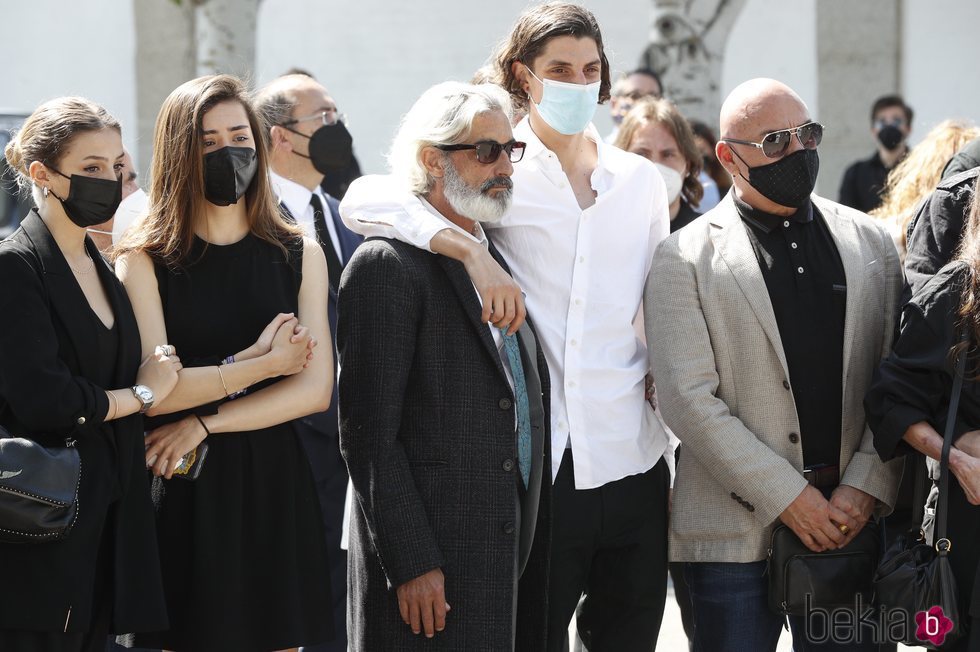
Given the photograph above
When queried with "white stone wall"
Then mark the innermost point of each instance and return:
(376, 56)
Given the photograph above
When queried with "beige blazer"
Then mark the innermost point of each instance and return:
(723, 383)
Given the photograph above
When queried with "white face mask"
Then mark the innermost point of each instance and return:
(129, 209)
(673, 179)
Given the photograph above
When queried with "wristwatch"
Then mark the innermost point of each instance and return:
(144, 395)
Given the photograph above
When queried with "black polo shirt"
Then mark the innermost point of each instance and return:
(863, 182)
(808, 291)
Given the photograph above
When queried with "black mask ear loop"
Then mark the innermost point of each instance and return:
(747, 166)
(57, 171)
(299, 133)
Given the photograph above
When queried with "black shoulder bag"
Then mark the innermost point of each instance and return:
(38, 489)
(916, 577)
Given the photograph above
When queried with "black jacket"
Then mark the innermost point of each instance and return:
(427, 429)
(936, 229)
(46, 352)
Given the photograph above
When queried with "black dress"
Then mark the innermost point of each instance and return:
(242, 547)
(913, 384)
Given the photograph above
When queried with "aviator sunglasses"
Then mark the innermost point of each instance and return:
(488, 151)
(775, 144)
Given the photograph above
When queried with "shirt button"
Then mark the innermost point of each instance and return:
(794, 438)
(793, 245)
(578, 302)
(562, 425)
(508, 465)
(574, 342)
(571, 383)
(505, 404)
(785, 384)
(786, 223)
(80, 421)
(799, 269)
(508, 528)
(581, 259)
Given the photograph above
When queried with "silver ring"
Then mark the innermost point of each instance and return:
(165, 349)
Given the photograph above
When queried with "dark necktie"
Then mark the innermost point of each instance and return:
(523, 407)
(334, 266)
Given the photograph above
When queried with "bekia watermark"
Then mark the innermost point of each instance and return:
(863, 623)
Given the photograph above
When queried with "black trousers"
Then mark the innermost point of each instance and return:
(330, 476)
(609, 543)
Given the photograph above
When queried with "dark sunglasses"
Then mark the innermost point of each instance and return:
(488, 152)
(775, 144)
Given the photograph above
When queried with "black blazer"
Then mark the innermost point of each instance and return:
(427, 429)
(47, 350)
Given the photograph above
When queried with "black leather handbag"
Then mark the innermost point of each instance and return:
(800, 578)
(38, 489)
(915, 577)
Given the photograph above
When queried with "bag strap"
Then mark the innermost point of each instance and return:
(919, 496)
(942, 543)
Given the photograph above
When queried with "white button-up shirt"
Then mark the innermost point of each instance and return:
(583, 272)
(296, 199)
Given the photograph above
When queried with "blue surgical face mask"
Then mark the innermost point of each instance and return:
(567, 108)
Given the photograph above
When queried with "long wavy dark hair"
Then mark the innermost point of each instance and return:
(969, 310)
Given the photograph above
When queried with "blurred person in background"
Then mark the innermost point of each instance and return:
(656, 130)
(912, 180)
(864, 181)
(628, 89)
(714, 178)
(105, 235)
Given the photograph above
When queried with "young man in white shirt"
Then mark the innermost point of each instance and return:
(579, 239)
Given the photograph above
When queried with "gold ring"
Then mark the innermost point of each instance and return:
(843, 529)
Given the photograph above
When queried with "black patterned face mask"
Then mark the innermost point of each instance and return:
(787, 182)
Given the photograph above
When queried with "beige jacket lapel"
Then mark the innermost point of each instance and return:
(732, 243)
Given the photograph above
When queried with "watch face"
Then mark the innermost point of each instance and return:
(143, 393)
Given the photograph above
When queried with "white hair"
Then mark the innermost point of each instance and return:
(443, 115)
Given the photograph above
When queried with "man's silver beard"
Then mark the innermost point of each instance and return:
(473, 202)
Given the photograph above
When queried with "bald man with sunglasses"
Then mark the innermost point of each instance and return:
(780, 305)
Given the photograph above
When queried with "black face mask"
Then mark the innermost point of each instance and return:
(787, 182)
(331, 147)
(228, 172)
(90, 201)
(890, 137)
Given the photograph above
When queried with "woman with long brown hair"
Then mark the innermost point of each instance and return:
(657, 131)
(216, 271)
(71, 375)
(907, 403)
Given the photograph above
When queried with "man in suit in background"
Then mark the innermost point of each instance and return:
(766, 318)
(305, 139)
(444, 421)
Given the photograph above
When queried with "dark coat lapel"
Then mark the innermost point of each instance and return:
(471, 306)
(67, 299)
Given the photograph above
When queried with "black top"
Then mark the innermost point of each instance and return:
(913, 384)
(935, 231)
(808, 290)
(685, 216)
(914, 381)
(57, 361)
(863, 182)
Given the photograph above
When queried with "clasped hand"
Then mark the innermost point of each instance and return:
(817, 521)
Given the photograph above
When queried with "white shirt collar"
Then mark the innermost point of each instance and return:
(295, 197)
(606, 166)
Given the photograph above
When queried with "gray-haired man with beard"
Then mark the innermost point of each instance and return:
(443, 418)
